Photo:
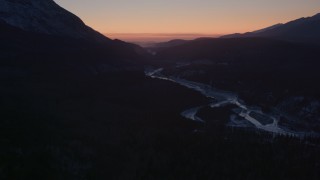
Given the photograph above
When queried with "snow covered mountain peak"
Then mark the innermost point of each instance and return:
(45, 16)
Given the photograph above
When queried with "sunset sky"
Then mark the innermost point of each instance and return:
(189, 17)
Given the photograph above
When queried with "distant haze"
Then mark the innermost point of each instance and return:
(207, 17)
(147, 39)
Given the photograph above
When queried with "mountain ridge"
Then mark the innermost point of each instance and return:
(46, 17)
(306, 29)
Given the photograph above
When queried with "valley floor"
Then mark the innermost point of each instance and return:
(128, 126)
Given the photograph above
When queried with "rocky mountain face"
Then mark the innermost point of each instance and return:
(46, 17)
(42, 30)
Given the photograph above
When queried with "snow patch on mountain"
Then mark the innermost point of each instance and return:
(45, 16)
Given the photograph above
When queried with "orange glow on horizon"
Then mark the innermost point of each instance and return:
(155, 37)
(129, 20)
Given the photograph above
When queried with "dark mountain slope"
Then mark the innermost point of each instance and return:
(44, 35)
(240, 50)
(303, 29)
(268, 28)
(45, 16)
(53, 55)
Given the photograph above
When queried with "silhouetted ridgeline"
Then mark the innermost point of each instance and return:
(300, 30)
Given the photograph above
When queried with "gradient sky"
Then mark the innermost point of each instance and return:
(187, 16)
